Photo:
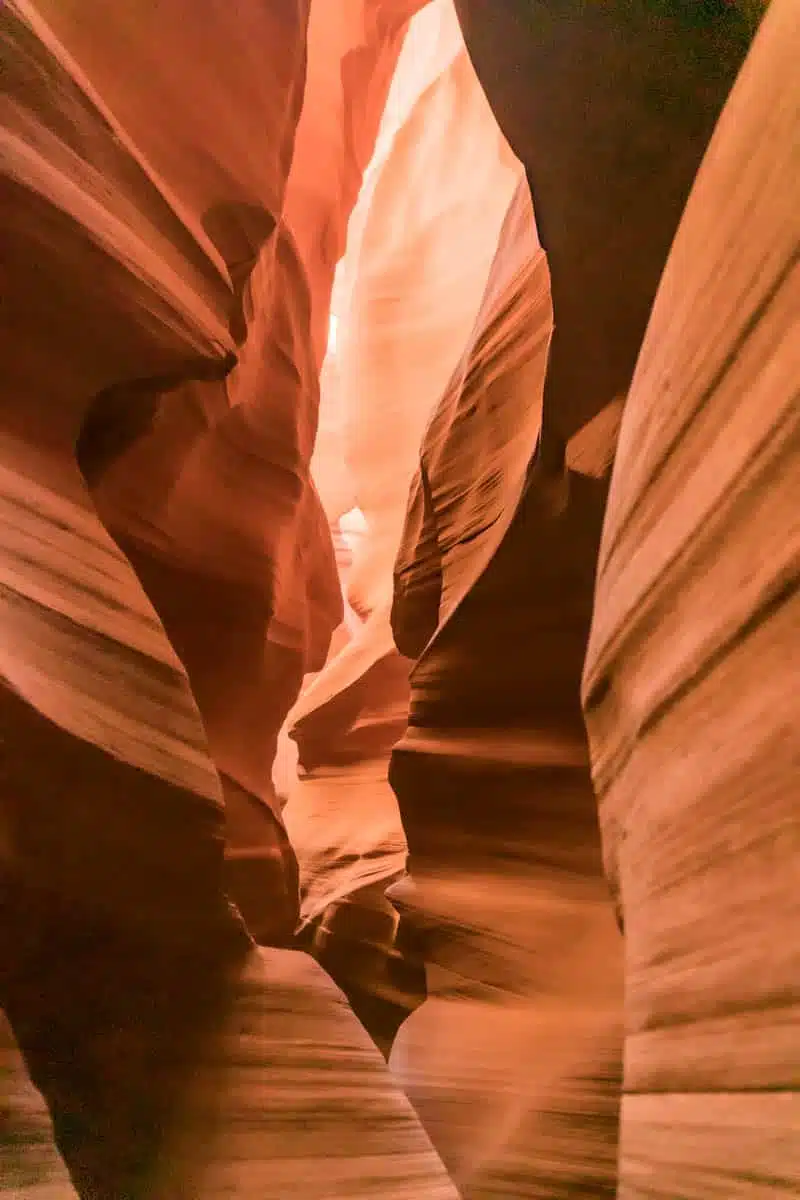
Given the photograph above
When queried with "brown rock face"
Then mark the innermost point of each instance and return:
(492, 777)
(610, 108)
(167, 272)
(405, 299)
(515, 1051)
(691, 675)
(343, 818)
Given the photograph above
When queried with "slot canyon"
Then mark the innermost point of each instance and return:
(399, 608)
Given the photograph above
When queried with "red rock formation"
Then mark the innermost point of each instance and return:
(420, 245)
(690, 685)
(257, 445)
(256, 582)
(610, 108)
(406, 281)
(170, 252)
(492, 776)
(352, 55)
(342, 816)
(422, 240)
(148, 240)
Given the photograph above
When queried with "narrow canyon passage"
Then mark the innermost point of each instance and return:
(399, 626)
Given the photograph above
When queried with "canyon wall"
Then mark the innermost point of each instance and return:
(513, 1060)
(516, 1054)
(168, 578)
(691, 676)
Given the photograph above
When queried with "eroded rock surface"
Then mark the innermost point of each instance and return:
(420, 245)
(515, 1055)
(161, 265)
(691, 675)
(610, 108)
(170, 591)
(495, 734)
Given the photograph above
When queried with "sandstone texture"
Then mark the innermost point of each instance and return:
(691, 676)
(399, 632)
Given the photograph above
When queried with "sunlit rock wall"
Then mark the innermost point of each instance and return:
(164, 283)
(420, 245)
(514, 1060)
(238, 501)
(514, 1057)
